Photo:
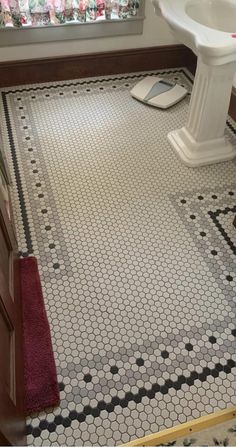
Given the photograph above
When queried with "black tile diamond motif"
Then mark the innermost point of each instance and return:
(214, 216)
(135, 254)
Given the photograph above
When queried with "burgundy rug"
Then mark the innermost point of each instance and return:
(41, 386)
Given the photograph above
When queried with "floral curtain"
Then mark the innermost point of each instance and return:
(25, 13)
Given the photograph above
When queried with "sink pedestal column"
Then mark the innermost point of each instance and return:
(201, 141)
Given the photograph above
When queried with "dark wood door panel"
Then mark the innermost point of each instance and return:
(8, 245)
(7, 353)
(12, 421)
(3, 440)
(5, 253)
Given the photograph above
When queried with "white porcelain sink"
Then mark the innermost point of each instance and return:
(208, 27)
(217, 14)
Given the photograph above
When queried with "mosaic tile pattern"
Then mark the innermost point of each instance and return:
(136, 254)
(221, 435)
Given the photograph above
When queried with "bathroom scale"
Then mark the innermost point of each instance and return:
(158, 92)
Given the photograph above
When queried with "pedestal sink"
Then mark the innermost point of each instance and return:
(208, 27)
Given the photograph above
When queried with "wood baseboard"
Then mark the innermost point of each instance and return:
(96, 64)
(232, 106)
(63, 68)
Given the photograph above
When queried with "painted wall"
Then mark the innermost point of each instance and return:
(155, 32)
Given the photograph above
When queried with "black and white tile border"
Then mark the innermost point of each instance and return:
(180, 369)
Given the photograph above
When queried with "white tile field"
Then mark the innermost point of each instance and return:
(136, 254)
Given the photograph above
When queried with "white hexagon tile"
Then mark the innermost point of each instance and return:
(136, 254)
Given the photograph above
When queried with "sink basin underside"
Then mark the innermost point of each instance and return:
(208, 27)
(215, 14)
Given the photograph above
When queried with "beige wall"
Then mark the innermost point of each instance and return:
(155, 33)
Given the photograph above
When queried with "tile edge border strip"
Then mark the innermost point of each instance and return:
(180, 430)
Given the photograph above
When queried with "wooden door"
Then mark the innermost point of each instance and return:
(12, 423)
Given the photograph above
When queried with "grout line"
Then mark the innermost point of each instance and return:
(180, 430)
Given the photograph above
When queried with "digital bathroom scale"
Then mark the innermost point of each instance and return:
(157, 92)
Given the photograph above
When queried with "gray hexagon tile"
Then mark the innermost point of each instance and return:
(136, 255)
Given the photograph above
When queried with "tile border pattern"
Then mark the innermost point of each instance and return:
(142, 392)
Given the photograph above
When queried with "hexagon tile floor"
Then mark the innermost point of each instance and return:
(136, 254)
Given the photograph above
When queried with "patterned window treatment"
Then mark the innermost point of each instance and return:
(26, 13)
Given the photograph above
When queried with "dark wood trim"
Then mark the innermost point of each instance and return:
(3, 440)
(192, 64)
(234, 222)
(63, 68)
(232, 108)
(95, 64)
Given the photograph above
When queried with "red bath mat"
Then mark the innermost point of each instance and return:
(41, 386)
